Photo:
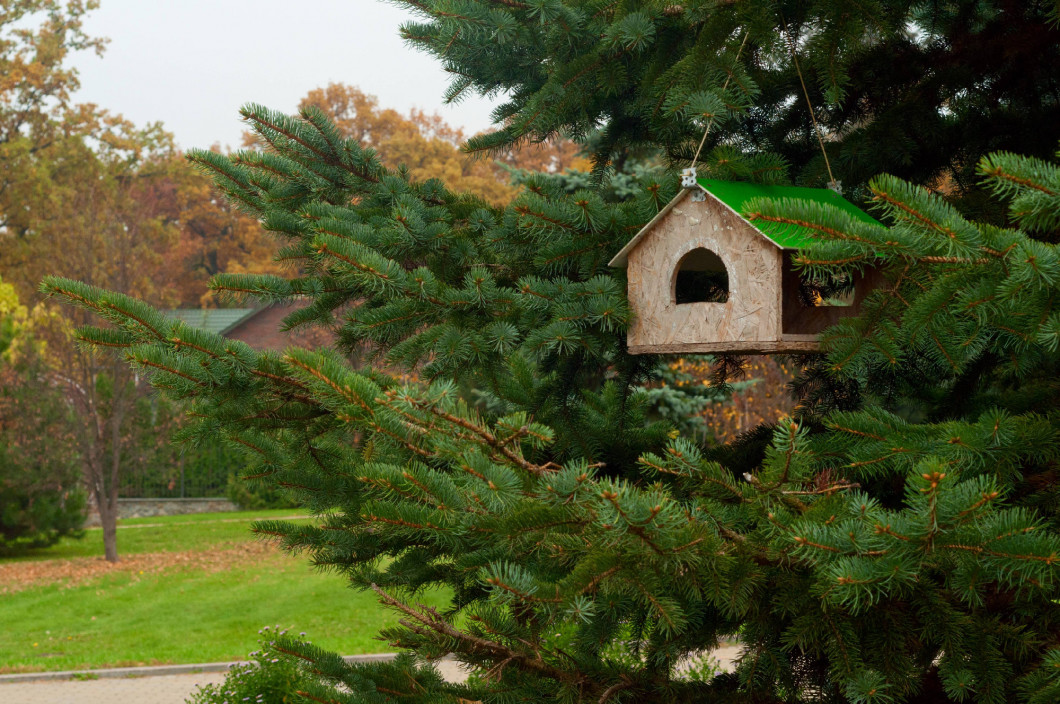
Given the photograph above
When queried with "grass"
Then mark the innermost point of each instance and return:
(184, 615)
(201, 531)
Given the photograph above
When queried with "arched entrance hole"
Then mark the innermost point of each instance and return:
(700, 278)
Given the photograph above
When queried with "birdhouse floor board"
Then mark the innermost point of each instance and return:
(763, 347)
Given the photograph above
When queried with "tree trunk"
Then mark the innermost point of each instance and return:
(109, 519)
(107, 505)
(118, 406)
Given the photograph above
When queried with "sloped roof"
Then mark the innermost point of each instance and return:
(215, 320)
(736, 195)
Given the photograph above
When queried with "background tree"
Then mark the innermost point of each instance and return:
(36, 39)
(211, 237)
(431, 148)
(98, 217)
(88, 192)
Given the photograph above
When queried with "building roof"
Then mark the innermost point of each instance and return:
(215, 320)
(736, 195)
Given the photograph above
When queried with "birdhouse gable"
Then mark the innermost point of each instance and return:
(735, 195)
(702, 278)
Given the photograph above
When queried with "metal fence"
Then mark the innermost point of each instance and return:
(200, 473)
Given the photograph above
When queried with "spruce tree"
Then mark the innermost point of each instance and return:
(921, 90)
(898, 540)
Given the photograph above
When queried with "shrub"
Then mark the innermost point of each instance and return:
(267, 678)
(253, 494)
(40, 495)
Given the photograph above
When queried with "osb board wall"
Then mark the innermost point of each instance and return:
(748, 321)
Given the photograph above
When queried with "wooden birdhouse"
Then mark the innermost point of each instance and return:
(704, 279)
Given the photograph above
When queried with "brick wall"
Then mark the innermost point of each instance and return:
(262, 330)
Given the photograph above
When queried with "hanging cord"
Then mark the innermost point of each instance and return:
(832, 183)
(724, 87)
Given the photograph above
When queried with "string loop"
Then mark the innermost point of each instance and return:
(724, 87)
(832, 183)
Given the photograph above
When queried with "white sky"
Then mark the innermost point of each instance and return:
(193, 63)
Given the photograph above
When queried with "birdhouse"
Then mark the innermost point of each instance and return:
(702, 278)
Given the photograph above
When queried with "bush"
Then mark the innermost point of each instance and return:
(40, 495)
(161, 468)
(268, 679)
(41, 499)
(254, 494)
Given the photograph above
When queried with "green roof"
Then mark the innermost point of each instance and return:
(736, 195)
(215, 320)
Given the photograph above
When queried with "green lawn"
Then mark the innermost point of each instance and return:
(200, 531)
(183, 615)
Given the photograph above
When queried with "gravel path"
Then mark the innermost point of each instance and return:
(148, 689)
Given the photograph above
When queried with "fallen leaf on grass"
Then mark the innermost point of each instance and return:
(17, 576)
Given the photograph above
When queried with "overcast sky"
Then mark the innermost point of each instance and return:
(193, 63)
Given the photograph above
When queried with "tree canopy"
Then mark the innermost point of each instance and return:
(919, 90)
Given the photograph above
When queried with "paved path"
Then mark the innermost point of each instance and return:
(162, 689)
(172, 689)
(138, 688)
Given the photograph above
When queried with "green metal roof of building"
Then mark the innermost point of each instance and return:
(737, 194)
(215, 320)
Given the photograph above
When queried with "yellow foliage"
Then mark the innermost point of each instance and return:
(10, 307)
(747, 409)
(24, 331)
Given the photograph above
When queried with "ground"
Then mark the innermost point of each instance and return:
(188, 589)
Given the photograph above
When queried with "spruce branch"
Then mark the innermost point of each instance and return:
(472, 645)
(491, 440)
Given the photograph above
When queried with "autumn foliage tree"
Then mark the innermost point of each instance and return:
(215, 237)
(85, 191)
(431, 148)
(36, 39)
(211, 236)
(108, 226)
